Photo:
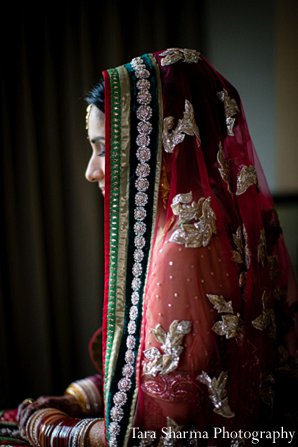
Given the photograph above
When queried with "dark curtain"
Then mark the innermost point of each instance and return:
(51, 219)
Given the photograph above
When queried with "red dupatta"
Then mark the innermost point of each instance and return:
(200, 296)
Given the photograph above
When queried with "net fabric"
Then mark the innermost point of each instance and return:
(181, 277)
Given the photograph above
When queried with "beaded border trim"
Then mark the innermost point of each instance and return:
(144, 127)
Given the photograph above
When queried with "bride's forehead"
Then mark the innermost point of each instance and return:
(96, 121)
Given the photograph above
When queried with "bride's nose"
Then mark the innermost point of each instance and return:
(94, 171)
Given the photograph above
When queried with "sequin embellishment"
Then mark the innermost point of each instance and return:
(231, 110)
(246, 178)
(196, 221)
(143, 154)
(171, 346)
(173, 55)
(217, 388)
(186, 126)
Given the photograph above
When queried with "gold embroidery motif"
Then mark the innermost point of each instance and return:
(166, 362)
(231, 109)
(173, 55)
(261, 253)
(242, 254)
(172, 439)
(246, 249)
(196, 221)
(147, 442)
(220, 304)
(238, 254)
(164, 186)
(186, 126)
(246, 178)
(230, 325)
(266, 321)
(266, 389)
(238, 442)
(224, 167)
(218, 393)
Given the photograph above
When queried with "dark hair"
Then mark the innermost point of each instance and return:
(96, 96)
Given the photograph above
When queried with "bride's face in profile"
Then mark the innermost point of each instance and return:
(95, 171)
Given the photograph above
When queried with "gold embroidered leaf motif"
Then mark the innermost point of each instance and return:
(196, 221)
(217, 388)
(186, 126)
(173, 439)
(228, 327)
(231, 109)
(173, 55)
(261, 251)
(220, 304)
(246, 178)
(238, 254)
(265, 321)
(242, 254)
(184, 207)
(147, 442)
(224, 167)
(246, 249)
(166, 361)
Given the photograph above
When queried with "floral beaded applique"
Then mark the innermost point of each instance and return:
(186, 126)
(173, 55)
(230, 325)
(246, 178)
(231, 109)
(196, 221)
(167, 361)
(217, 388)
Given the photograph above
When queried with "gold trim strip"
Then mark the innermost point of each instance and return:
(123, 221)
